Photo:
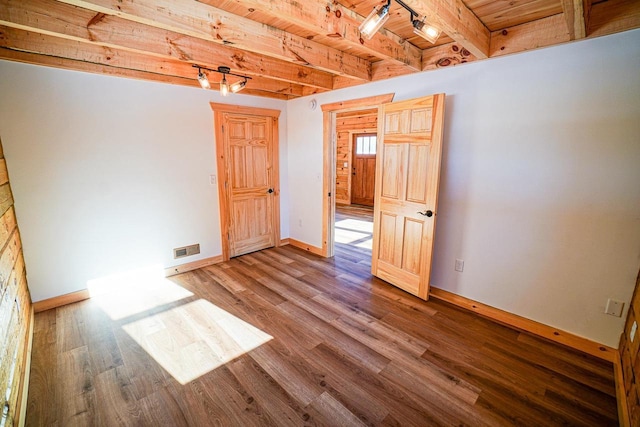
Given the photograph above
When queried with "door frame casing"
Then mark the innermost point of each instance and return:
(223, 174)
(329, 112)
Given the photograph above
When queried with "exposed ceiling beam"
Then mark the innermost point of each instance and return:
(336, 22)
(308, 90)
(340, 82)
(74, 23)
(574, 17)
(205, 22)
(50, 46)
(446, 55)
(380, 70)
(455, 19)
(89, 67)
(532, 35)
(70, 64)
(262, 93)
(613, 16)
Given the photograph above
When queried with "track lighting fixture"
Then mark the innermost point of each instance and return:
(426, 31)
(238, 86)
(225, 87)
(203, 80)
(375, 20)
(380, 14)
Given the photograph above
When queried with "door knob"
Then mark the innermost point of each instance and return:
(427, 213)
(270, 190)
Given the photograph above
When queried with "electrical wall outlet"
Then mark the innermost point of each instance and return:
(459, 265)
(614, 308)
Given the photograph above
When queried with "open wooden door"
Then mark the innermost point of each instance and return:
(247, 161)
(407, 177)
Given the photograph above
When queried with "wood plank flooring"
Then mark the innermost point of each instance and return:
(324, 344)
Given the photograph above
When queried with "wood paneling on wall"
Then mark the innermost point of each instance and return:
(630, 355)
(16, 314)
(347, 123)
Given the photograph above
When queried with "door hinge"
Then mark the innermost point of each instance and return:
(228, 237)
(329, 193)
(222, 128)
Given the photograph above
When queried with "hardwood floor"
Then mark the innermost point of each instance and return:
(284, 338)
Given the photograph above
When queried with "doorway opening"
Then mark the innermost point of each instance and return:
(406, 188)
(356, 141)
(353, 227)
(344, 221)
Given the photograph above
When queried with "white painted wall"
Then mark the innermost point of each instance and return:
(111, 174)
(540, 190)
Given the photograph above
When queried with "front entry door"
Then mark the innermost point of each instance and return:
(407, 176)
(364, 169)
(248, 155)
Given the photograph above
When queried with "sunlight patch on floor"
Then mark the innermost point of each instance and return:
(354, 232)
(126, 294)
(190, 340)
(366, 244)
(355, 225)
(348, 236)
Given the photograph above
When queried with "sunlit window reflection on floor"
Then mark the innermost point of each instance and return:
(190, 340)
(354, 232)
(187, 338)
(126, 294)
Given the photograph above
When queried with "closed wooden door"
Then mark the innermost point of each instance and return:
(407, 176)
(363, 177)
(249, 158)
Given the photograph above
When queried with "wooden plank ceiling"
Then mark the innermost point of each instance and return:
(289, 48)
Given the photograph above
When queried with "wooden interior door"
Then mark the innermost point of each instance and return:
(407, 176)
(248, 155)
(363, 177)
